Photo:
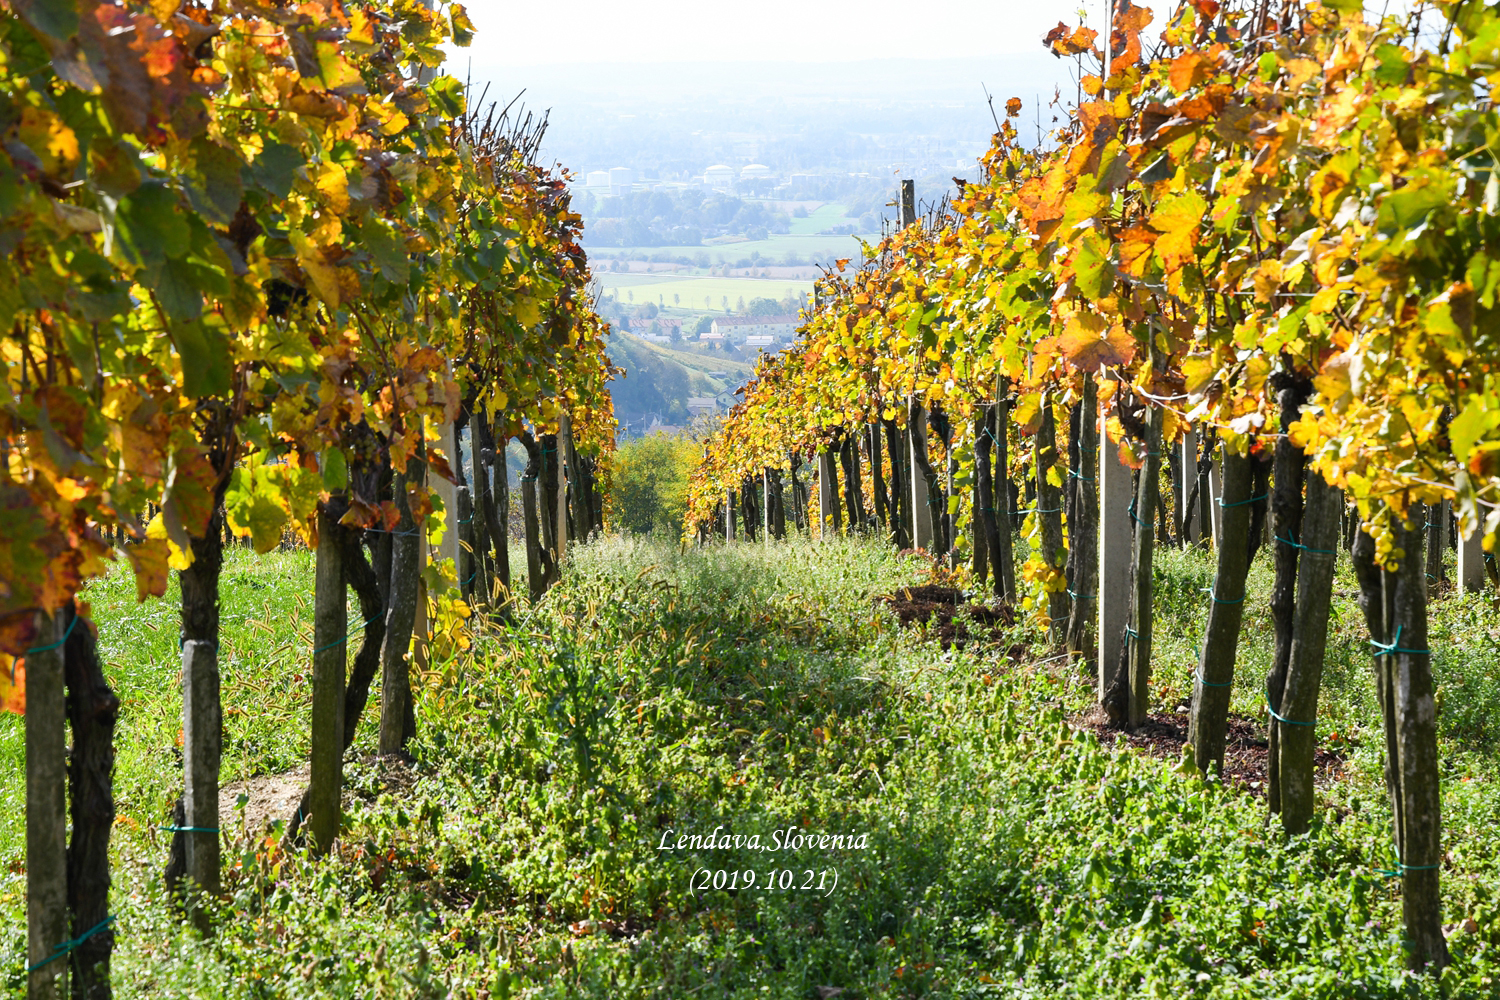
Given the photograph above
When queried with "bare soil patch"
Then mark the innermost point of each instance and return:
(1245, 753)
(949, 619)
(273, 797)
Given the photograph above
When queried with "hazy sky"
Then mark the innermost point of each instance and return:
(655, 31)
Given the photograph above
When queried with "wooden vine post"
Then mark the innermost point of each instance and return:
(1395, 609)
(1213, 680)
(330, 628)
(1138, 688)
(201, 727)
(1297, 701)
(403, 612)
(827, 494)
(560, 504)
(1113, 589)
(46, 815)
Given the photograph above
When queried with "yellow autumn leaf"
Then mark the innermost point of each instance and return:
(177, 559)
(333, 184)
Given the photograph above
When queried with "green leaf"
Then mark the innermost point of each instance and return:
(150, 225)
(177, 290)
(386, 250)
(335, 469)
(1471, 424)
(207, 365)
(1094, 277)
(57, 19)
(218, 193)
(276, 168)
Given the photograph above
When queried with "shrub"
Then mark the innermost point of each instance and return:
(651, 478)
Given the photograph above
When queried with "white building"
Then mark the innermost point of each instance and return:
(719, 177)
(701, 404)
(621, 179)
(755, 172)
(775, 328)
(760, 340)
(597, 179)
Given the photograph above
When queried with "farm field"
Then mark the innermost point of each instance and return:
(819, 219)
(764, 690)
(700, 293)
(775, 247)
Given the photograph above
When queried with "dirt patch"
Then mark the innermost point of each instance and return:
(945, 615)
(273, 797)
(1245, 751)
(270, 797)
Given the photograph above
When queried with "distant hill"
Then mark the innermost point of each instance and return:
(658, 380)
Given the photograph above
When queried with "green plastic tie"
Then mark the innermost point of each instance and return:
(1217, 600)
(53, 645)
(1399, 868)
(1279, 717)
(1081, 597)
(343, 638)
(1241, 503)
(68, 947)
(189, 829)
(1198, 676)
(1394, 646)
(1304, 548)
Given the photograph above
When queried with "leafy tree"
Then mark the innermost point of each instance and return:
(651, 483)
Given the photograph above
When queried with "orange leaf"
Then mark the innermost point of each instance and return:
(1090, 344)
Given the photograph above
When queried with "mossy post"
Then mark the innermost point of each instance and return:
(1207, 726)
(330, 625)
(1142, 558)
(1293, 764)
(1286, 510)
(1113, 590)
(401, 614)
(1395, 609)
(828, 503)
(46, 814)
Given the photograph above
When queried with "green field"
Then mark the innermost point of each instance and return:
(819, 219)
(691, 290)
(775, 248)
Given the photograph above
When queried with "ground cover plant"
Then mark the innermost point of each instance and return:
(755, 689)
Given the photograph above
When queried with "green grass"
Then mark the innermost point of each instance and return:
(660, 288)
(753, 689)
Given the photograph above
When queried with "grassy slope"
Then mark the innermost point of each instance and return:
(759, 688)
